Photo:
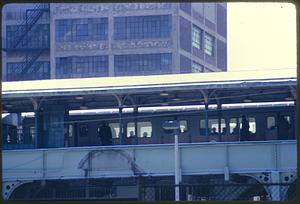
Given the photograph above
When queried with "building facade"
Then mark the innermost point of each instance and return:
(53, 41)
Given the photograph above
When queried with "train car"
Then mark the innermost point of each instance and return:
(82, 127)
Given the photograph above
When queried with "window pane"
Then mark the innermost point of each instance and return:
(252, 125)
(197, 67)
(213, 126)
(115, 129)
(136, 27)
(130, 130)
(208, 44)
(144, 129)
(271, 123)
(196, 37)
(233, 129)
(183, 126)
(138, 64)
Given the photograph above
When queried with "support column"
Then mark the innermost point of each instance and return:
(206, 120)
(135, 110)
(275, 189)
(219, 122)
(54, 126)
(38, 140)
(121, 125)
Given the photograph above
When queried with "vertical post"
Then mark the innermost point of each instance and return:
(37, 129)
(121, 125)
(135, 109)
(275, 189)
(206, 120)
(177, 166)
(219, 122)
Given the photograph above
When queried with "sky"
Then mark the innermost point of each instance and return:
(261, 36)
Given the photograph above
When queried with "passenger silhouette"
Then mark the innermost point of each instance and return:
(245, 129)
(283, 128)
(105, 134)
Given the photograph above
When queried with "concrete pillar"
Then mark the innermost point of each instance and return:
(206, 119)
(39, 136)
(274, 190)
(121, 135)
(54, 126)
(135, 110)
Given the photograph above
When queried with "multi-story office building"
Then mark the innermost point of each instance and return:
(51, 41)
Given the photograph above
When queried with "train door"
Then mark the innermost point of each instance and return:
(167, 136)
(184, 132)
(82, 134)
(284, 125)
(271, 126)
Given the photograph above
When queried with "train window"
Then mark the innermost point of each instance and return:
(202, 127)
(183, 126)
(271, 123)
(288, 118)
(115, 129)
(252, 124)
(71, 130)
(130, 130)
(20, 139)
(83, 131)
(32, 134)
(213, 126)
(144, 129)
(233, 129)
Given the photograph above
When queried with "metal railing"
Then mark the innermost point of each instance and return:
(220, 192)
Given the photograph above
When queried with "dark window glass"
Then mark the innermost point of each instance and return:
(143, 64)
(86, 66)
(81, 29)
(19, 71)
(136, 27)
(37, 37)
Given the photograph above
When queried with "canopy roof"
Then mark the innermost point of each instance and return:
(180, 89)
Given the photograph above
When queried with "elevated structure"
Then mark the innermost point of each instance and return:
(51, 163)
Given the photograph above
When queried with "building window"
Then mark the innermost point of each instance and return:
(87, 65)
(138, 27)
(82, 31)
(197, 67)
(38, 70)
(39, 36)
(143, 64)
(68, 30)
(196, 37)
(209, 44)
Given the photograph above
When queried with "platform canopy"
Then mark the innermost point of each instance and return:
(155, 90)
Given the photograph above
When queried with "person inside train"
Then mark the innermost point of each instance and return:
(245, 129)
(283, 128)
(224, 131)
(145, 134)
(131, 134)
(105, 134)
(213, 131)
